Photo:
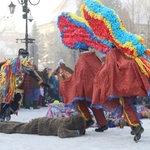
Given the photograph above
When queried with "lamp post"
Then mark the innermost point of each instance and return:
(12, 8)
(26, 11)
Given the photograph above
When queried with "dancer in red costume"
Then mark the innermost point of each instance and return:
(78, 89)
(117, 84)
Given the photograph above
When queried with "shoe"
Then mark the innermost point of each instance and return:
(137, 135)
(89, 123)
(101, 129)
(136, 129)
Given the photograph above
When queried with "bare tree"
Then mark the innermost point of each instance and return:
(147, 20)
(79, 3)
(135, 9)
(113, 4)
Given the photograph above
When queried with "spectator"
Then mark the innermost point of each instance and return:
(32, 89)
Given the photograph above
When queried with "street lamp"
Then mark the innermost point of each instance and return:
(26, 11)
(12, 8)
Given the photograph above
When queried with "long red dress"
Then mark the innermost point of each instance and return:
(80, 85)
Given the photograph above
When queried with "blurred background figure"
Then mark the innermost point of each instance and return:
(46, 74)
(32, 91)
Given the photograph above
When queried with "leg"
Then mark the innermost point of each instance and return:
(130, 113)
(132, 119)
(14, 105)
(19, 127)
(40, 101)
(9, 127)
(100, 118)
(4, 107)
(36, 98)
(27, 102)
(46, 92)
(84, 111)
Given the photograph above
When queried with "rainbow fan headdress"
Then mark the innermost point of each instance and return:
(106, 24)
(76, 33)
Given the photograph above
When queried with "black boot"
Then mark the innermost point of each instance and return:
(136, 129)
(101, 129)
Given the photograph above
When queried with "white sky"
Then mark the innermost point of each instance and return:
(38, 11)
(42, 13)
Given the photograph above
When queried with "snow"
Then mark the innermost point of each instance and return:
(112, 139)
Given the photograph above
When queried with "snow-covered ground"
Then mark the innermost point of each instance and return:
(112, 139)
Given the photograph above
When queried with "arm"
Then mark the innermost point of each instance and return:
(36, 76)
(64, 133)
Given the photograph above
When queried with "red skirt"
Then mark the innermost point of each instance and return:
(80, 85)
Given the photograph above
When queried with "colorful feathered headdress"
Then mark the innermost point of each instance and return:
(106, 24)
(103, 25)
(76, 33)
